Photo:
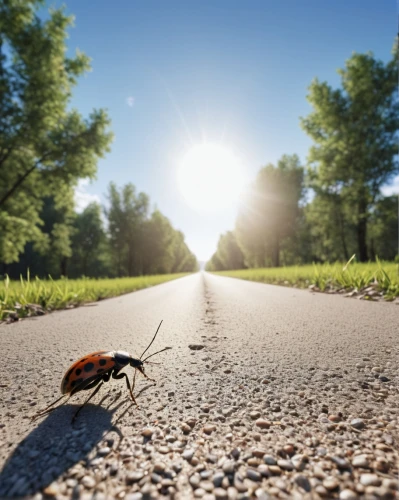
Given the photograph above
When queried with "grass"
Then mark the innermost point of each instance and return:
(367, 279)
(29, 297)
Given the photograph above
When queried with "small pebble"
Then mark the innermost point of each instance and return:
(134, 476)
(262, 423)
(220, 494)
(347, 494)
(217, 479)
(104, 451)
(52, 490)
(360, 461)
(330, 483)
(253, 475)
(196, 347)
(195, 480)
(88, 482)
(206, 485)
(357, 423)
(370, 480)
(269, 460)
(134, 496)
(303, 482)
(159, 467)
(148, 432)
(188, 454)
(228, 467)
(285, 464)
(257, 452)
(186, 428)
(340, 462)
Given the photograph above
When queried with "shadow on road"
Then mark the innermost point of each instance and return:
(53, 447)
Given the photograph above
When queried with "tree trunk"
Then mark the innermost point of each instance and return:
(276, 252)
(63, 267)
(372, 250)
(129, 263)
(342, 234)
(362, 230)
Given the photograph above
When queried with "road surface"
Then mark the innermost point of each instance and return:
(293, 394)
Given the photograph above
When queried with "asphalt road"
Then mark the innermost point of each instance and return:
(267, 408)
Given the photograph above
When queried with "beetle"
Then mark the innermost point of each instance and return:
(92, 370)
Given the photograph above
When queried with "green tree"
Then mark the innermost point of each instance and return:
(158, 245)
(127, 215)
(330, 236)
(190, 263)
(269, 214)
(214, 263)
(45, 146)
(229, 253)
(383, 233)
(49, 254)
(90, 245)
(354, 130)
(183, 259)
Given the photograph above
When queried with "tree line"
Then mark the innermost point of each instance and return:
(332, 207)
(46, 146)
(123, 239)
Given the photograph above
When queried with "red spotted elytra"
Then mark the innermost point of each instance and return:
(96, 368)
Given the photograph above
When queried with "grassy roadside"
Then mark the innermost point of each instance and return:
(30, 297)
(370, 281)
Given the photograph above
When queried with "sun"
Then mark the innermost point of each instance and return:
(210, 178)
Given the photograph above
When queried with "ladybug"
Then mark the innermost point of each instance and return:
(96, 368)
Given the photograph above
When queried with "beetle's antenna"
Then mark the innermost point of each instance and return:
(150, 344)
(162, 350)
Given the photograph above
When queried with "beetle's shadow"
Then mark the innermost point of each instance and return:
(53, 447)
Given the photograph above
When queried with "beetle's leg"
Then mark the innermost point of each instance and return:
(144, 374)
(90, 386)
(49, 408)
(117, 375)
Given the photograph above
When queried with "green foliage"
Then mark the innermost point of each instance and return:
(183, 259)
(48, 254)
(141, 243)
(45, 146)
(354, 130)
(228, 254)
(127, 215)
(29, 297)
(383, 228)
(90, 245)
(270, 211)
(158, 245)
(77, 245)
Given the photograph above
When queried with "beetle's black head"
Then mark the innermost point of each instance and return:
(137, 363)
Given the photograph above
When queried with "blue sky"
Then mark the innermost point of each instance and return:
(174, 73)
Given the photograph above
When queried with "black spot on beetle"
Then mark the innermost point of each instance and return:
(78, 371)
(88, 367)
(82, 360)
(68, 375)
(103, 362)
